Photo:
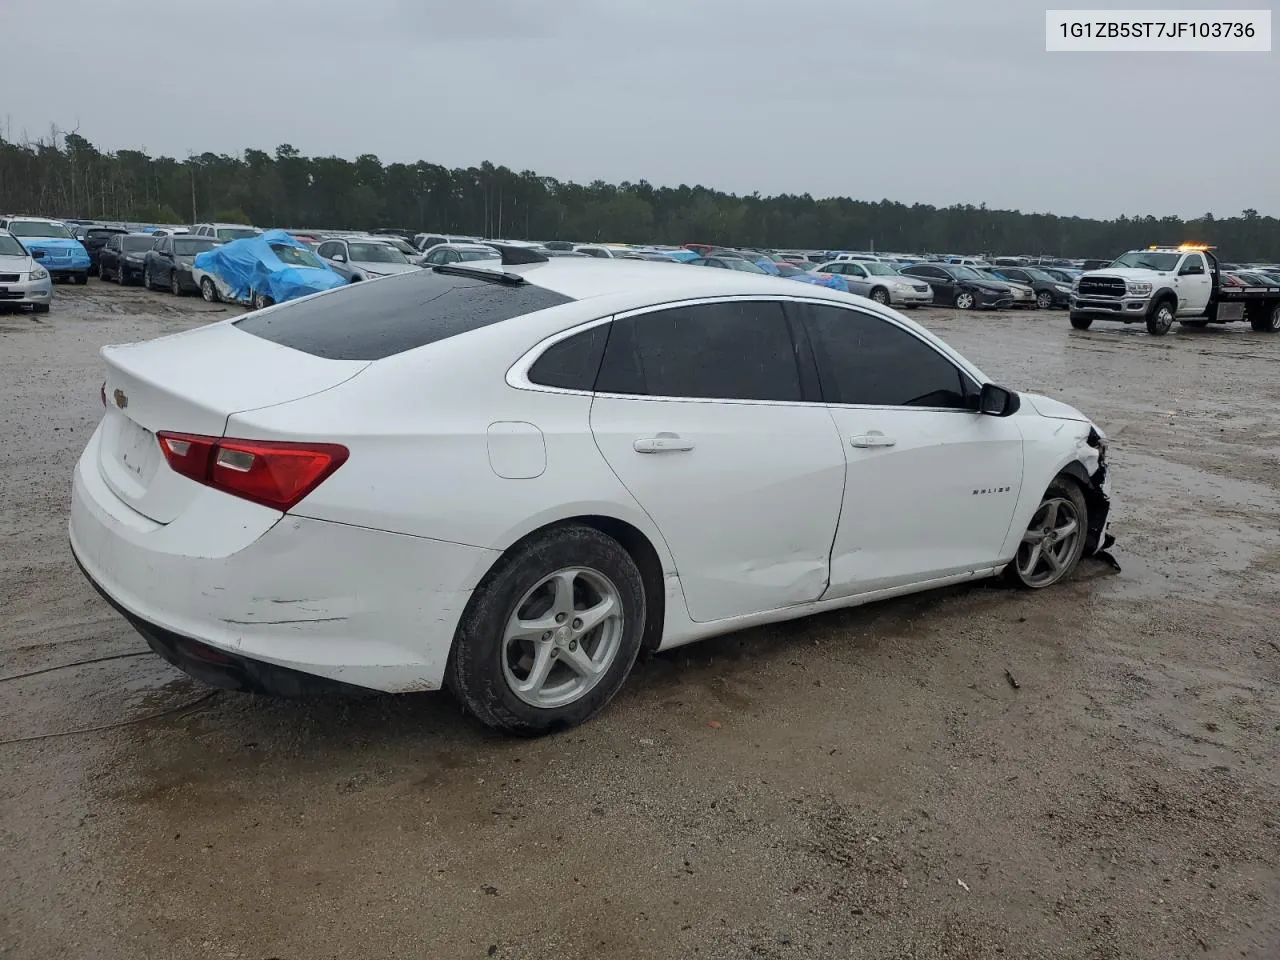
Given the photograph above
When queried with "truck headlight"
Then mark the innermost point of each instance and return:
(1138, 288)
(39, 273)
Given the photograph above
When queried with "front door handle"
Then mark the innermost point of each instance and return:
(663, 443)
(872, 439)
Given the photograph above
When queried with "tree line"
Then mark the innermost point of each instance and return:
(65, 175)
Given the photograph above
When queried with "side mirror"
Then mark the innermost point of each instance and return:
(38, 254)
(338, 258)
(996, 401)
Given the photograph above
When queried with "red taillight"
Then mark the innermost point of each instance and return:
(270, 472)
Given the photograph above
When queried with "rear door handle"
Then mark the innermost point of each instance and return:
(873, 440)
(663, 443)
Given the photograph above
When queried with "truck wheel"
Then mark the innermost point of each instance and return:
(1266, 321)
(1160, 319)
(1081, 323)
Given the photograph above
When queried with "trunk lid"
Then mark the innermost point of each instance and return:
(192, 383)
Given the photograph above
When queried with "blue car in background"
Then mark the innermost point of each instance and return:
(50, 242)
(262, 270)
(831, 281)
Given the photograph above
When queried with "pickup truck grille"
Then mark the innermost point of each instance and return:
(1101, 286)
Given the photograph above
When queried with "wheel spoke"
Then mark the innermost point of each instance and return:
(563, 582)
(542, 663)
(592, 617)
(1051, 514)
(579, 661)
(1032, 536)
(1033, 561)
(1052, 559)
(1066, 530)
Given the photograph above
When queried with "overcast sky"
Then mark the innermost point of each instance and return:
(912, 100)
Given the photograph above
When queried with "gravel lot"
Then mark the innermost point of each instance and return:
(861, 784)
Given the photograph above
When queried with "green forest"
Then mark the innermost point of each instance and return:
(67, 176)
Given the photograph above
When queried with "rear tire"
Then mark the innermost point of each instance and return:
(1266, 320)
(1081, 323)
(492, 656)
(208, 290)
(1160, 319)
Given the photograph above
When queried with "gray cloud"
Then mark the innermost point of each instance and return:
(913, 100)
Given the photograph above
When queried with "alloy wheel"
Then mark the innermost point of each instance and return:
(562, 637)
(1044, 556)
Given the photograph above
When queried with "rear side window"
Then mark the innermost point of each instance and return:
(863, 359)
(573, 363)
(736, 350)
(369, 321)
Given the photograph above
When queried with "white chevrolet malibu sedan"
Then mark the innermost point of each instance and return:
(509, 479)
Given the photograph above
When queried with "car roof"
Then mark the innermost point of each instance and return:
(646, 282)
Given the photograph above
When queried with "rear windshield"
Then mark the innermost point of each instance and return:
(370, 321)
(142, 241)
(191, 245)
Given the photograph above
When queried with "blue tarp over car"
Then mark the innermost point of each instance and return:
(274, 264)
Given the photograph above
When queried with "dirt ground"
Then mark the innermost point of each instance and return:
(873, 785)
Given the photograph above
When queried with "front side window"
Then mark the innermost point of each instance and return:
(1194, 264)
(866, 360)
(734, 350)
(328, 249)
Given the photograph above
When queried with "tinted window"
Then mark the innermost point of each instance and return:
(924, 271)
(372, 321)
(740, 350)
(1193, 264)
(866, 360)
(573, 363)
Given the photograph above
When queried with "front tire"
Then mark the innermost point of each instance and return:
(881, 296)
(1044, 300)
(146, 279)
(208, 290)
(261, 301)
(1053, 543)
(965, 300)
(175, 285)
(81, 278)
(550, 634)
(1081, 323)
(1161, 318)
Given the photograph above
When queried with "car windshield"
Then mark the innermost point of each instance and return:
(1147, 260)
(187, 247)
(295, 257)
(878, 269)
(375, 253)
(40, 228)
(10, 247)
(226, 234)
(402, 245)
(746, 266)
(479, 255)
(964, 273)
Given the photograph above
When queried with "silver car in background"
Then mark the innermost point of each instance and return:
(23, 282)
(364, 258)
(880, 282)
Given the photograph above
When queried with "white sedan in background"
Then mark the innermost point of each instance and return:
(511, 481)
(880, 282)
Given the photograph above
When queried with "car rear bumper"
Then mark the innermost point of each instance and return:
(250, 609)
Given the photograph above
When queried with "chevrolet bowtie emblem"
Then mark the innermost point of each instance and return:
(121, 400)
